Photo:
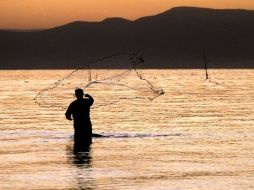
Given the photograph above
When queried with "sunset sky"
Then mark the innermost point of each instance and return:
(28, 14)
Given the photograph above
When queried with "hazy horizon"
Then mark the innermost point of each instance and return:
(45, 14)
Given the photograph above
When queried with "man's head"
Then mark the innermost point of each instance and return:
(79, 93)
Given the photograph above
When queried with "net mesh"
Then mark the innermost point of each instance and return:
(107, 86)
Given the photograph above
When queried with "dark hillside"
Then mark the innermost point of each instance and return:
(173, 39)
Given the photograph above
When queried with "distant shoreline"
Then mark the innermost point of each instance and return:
(132, 68)
(174, 39)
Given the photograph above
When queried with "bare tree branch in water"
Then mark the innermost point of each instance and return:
(205, 63)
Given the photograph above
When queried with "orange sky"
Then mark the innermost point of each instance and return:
(25, 14)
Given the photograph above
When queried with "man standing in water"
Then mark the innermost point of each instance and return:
(80, 112)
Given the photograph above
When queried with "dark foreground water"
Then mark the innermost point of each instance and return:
(198, 135)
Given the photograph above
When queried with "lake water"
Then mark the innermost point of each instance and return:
(198, 135)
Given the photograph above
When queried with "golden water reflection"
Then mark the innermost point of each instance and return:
(198, 135)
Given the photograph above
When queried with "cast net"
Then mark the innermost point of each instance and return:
(107, 86)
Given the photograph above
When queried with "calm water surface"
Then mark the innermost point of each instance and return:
(198, 135)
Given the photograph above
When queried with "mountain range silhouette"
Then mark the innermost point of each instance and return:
(176, 38)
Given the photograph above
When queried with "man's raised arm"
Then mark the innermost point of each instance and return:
(89, 98)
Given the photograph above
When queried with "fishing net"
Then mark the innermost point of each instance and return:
(107, 86)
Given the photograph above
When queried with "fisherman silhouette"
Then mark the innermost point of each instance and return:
(79, 111)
